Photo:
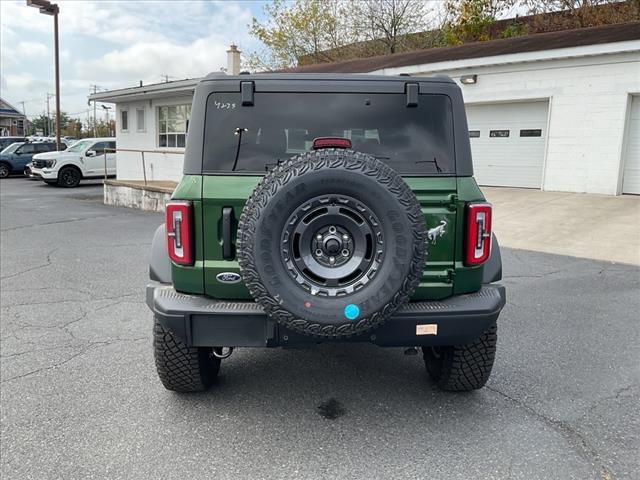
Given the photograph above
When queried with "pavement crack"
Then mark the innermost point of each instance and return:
(618, 393)
(573, 436)
(57, 302)
(57, 222)
(37, 267)
(85, 349)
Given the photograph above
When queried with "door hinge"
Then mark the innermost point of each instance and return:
(444, 276)
(451, 273)
(453, 202)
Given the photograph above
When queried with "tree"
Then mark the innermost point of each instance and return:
(388, 21)
(306, 27)
(312, 31)
(470, 20)
(48, 125)
(583, 13)
(73, 128)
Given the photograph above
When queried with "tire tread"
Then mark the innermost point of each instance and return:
(182, 368)
(462, 368)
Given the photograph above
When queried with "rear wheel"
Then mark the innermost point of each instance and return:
(462, 368)
(5, 170)
(182, 368)
(69, 177)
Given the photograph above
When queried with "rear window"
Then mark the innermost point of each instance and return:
(412, 140)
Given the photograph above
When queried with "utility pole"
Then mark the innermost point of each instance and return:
(47, 8)
(56, 10)
(95, 131)
(49, 96)
(25, 122)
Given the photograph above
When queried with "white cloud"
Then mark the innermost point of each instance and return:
(114, 44)
(120, 22)
(148, 60)
(32, 49)
(22, 80)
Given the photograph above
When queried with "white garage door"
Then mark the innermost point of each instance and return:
(507, 143)
(631, 178)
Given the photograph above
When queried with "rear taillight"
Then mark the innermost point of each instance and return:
(179, 222)
(478, 234)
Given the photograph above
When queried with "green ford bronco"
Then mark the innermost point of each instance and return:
(326, 208)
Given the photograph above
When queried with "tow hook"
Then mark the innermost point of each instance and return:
(219, 352)
(411, 351)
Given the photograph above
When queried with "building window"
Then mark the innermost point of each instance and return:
(499, 133)
(173, 122)
(124, 120)
(531, 133)
(140, 126)
(474, 133)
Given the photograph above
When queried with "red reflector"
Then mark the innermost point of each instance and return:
(478, 234)
(179, 224)
(331, 142)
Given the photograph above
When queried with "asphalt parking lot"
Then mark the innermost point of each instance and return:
(80, 399)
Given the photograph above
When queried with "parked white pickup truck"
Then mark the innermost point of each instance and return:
(83, 160)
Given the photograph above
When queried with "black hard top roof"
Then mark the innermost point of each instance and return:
(284, 77)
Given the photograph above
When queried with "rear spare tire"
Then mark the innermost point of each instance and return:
(331, 243)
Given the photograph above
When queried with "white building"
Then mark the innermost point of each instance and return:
(154, 119)
(554, 111)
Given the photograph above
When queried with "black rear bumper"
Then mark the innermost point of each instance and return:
(203, 321)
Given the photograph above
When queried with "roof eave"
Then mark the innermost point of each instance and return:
(182, 87)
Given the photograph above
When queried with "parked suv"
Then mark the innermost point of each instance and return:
(326, 208)
(85, 159)
(6, 141)
(16, 156)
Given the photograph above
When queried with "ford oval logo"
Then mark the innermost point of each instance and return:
(228, 277)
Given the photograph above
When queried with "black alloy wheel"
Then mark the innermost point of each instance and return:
(333, 245)
(69, 177)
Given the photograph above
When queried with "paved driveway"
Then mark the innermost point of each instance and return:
(602, 227)
(79, 396)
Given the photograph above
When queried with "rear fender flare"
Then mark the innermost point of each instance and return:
(160, 264)
(493, 268)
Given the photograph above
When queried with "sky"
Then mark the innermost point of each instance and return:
(115, 44)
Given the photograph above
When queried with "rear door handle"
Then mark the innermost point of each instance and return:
(227, 246)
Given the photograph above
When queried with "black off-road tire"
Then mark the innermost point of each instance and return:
(5, 170)
(182, 368)
(462, 368)
(331, 176)
(69, 177)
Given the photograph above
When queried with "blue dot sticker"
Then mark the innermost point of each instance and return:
(351, 311)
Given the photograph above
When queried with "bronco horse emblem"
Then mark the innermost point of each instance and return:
(434, 233)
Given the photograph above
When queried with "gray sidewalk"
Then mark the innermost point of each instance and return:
(575, 224)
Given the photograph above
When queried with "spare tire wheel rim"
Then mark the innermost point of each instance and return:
(332, 245)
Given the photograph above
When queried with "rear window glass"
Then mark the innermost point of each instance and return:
(415, 140)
